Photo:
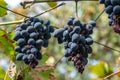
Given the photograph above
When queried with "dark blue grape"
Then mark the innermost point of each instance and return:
(58, 32)
(34, 35)
(24, 49)
(30, 29)
(101, 1)
(39, 56)
(24, 33)
(17, 36)
(76, 22)
(31, 41)
(36, 20)
(89, 41)
(74, 47)
(25, 57)
(46, 22)
(93, 23)
(115, 2)
(21, 42)
(31, 56)
(23, 26)
(75, 37)
(60, 40)
(107, 2)
(70, 22)
(38, 26)
(39, 42)
(19, 56)
(34, 50)
(51, 29)
(17, 49)
(116, 9)
(109, 9)
(45, 43)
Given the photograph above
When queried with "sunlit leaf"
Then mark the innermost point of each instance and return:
(45, 74)
(2, 73)
(52, 4)
(101, 69)
(7, 46)
(44, 59)
(3, 11)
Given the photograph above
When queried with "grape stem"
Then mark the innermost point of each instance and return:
(99, 15)
(12, 22)
(14, 12)
(20, 21)
(50, 9)
(43, 1)
(106, 46)
(58, 61)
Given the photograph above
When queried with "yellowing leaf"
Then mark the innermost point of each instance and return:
(3, 11)
(52, 4)
(101, 69)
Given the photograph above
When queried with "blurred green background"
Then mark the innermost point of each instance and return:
(102, 61)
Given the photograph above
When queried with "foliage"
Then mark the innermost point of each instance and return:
(3, 11)
(102, 61)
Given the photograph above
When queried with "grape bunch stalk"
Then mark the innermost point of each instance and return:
(77, 41)
(31, 36)
(112, 8)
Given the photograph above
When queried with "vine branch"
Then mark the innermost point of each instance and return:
(20, 21)
(99, 15)
(14, 12)
(58, 61)
(43, 1)
(11, 22)
(106, 46)
(50, 9)
(115, 73)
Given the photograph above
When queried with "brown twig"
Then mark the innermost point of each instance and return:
(115, 73)
(20, 21)
(43, 1)
(106, 46)
(58, 61)
(50, 9)
(14, 12)
(99, 15)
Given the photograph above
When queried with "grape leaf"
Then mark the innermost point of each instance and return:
(52, 4)
(3, 11)
(7, 45)
(44, 59)
(101, 69)
(2, 73)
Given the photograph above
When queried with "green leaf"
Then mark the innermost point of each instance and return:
(44, 59)
(3, 11)
(2, 32)
(7, 46)
(101, 69)
(46, 74)
(2, 73)
(52, 4)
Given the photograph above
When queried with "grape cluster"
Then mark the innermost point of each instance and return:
(112, 8)
(77, 41)
(31, 36)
